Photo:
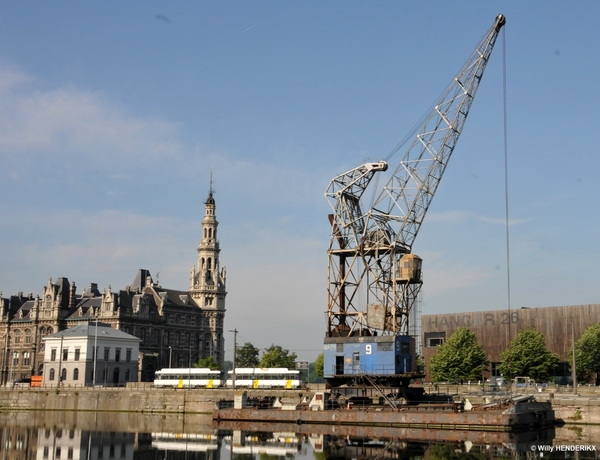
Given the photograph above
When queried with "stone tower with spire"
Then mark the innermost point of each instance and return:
(207, 283)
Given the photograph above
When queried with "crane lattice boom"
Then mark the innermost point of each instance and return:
(374, 280)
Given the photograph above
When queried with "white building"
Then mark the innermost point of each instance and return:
(70, 355)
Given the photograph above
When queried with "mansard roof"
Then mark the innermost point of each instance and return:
(139, 283)
(175, 297)
(23, 313)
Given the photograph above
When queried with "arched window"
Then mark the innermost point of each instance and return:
(50, 331)
(52, 374)
(63, 374)
(186, 339)
(17, 336)
(75, 374)
(176, 339)
(42, 331)
(187, 320)
(210, 232)
(27, 335)
(208, 263)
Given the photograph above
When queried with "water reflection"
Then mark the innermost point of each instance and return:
(91, 436)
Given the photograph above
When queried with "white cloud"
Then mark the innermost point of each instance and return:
(70, 121)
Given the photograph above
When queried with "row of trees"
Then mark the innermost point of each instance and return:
(462, 358)
(275, 356)
(247, 356)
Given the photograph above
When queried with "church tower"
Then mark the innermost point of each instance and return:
(207, 284)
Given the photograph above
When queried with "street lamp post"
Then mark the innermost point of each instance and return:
(235, 331)
(170, 355)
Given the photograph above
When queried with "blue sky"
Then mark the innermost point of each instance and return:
(113, 113)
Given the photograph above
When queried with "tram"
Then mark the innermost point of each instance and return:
(274, 377)
(187, 378)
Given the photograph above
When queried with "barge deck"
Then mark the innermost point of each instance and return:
(506, 415)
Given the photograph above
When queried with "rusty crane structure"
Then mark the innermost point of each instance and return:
(374, 279)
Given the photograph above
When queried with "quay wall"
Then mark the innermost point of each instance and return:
(583, 409)
(136, 399)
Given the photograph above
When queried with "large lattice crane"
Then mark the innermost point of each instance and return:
(374, 279)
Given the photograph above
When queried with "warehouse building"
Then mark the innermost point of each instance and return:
(495, 329)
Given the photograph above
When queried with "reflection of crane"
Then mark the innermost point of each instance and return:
(374, 279)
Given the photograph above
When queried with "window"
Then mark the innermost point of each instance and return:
(26, 358)
(63, 374)
(15, 358)
(17, 336)
(434, 339)
(70, 453)
(117, 355)
(128, 355)
(77, 354)
(106, 353)
(53, 354)
(27, 336)
(75, 374)
(65, 354)
(52, 371)
(127, 372)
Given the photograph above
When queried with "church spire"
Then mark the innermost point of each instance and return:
(207, 280)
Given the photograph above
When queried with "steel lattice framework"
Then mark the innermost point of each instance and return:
(374, 280)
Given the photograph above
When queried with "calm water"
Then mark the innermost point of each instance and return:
(41, 435)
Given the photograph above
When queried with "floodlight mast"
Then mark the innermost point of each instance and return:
(374, 280)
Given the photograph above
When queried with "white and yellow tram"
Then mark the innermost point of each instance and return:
(249, 377)
(187, 378)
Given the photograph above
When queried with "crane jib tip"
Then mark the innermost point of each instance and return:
(500, 21)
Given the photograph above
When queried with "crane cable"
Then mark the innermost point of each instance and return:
(506, 201)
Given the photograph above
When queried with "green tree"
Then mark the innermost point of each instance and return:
(319, 364)
(247, 356)
(276, 356)
(209, 362)
(460, 358)
(587, 355)
(528, 356)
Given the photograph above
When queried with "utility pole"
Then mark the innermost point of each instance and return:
(60, 362)
(574, 367)
(235, 331)
(95, 351)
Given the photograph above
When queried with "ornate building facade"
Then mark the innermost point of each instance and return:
(176, 328)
